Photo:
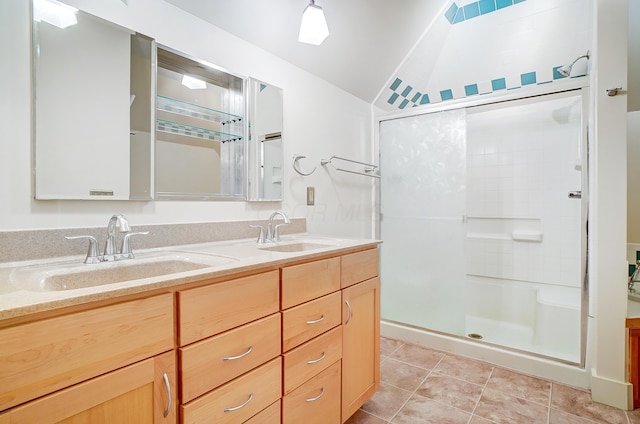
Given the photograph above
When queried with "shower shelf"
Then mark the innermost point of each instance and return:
(195, 132)
(179, 107)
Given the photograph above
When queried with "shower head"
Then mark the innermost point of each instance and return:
(565, 70)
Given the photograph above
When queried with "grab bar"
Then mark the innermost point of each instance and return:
(369, 169)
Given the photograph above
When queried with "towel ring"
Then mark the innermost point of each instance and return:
(296, 168)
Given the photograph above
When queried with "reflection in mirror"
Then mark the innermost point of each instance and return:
(265, 142)
(199, 130)
(92, 108)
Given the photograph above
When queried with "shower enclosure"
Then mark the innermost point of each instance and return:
(484, 223)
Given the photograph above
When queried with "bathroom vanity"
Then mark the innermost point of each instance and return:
(279, 333)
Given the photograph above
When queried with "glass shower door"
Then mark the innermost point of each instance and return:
(482, 238)
(422, 209)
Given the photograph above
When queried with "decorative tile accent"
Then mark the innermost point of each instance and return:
(407, 97)
(456, 14)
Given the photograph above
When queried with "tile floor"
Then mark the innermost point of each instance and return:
(421, 385)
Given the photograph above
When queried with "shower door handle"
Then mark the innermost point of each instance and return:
(575, 194)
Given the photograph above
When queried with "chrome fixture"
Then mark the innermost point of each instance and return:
(272, 233)
(313, 28)
(369, 169)
(110, 251)
(296, 166)
(614, 91)
(565, 70)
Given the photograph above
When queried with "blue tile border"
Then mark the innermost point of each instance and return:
(456, 14)
(404, 95)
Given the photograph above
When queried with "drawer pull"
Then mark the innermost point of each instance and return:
(235, 408)
(313, 399)
(315, 321)
(233, 358)
(168, 386)
(350, 312)
(315, 361)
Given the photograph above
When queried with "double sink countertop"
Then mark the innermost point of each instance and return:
(29, 287)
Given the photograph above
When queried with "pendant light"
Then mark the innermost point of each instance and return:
(313, 28)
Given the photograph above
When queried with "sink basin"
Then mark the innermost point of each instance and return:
(296, 247)
(71, 275)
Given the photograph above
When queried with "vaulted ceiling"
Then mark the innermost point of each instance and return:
(368, 38)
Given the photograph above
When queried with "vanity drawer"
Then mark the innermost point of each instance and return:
(203, 364)
(304, 282)
(305, 361)
(310, 319)
(269, 415)
(315, 402)
(209, 310)
(41, 357)
(243, 397)
(359, 266)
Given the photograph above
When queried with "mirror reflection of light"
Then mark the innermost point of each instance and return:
(55, 13)
(193, 83)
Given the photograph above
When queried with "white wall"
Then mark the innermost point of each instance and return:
(320, 120)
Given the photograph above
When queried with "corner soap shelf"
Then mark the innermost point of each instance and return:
(182, 108)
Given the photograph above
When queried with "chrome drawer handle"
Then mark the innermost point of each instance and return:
(235, 408)
(168, 386)
(313, 399)
(315, 321)
(233, 358)
(350, 312)
(315, 361)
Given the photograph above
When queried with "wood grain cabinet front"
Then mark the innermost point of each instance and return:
(238, 400)
(306, 321)
(209, 310)
(209, 363)
(142, 393)
(43, 356)
(315, 402)
(308, 281)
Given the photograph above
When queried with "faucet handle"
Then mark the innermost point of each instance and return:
(276, 232)
(261, 236)
(125, 250)
(93, 254)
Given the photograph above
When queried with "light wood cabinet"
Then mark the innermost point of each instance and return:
(297, 344)
(40, 357)
(360, 344)
(315, 402)
(136, 394)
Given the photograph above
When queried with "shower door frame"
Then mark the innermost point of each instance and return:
(578, 86)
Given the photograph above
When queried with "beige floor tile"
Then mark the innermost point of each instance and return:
(420, 410)
(470, 370)
(386, 402)
(561, 417)
(578, 402)
(388, 346)
(634, 416)
(503, 408)
(402, 375)
(419, 356)
(451, 391)
(479, 420)
(520, 385)
(361, 417)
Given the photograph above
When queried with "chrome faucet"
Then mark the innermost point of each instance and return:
(110, 252)
(273, 233)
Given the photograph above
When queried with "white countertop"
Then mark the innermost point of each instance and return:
(19, 297)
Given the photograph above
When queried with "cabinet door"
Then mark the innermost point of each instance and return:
(139, 393)
(634, 364)
(360, 344)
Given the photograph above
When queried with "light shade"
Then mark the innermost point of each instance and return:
(313, 28)
(193, 83)
(55, 13)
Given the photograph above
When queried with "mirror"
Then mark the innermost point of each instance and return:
(265, 149)
(92, 107)
(112, 119)
(200, 143)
